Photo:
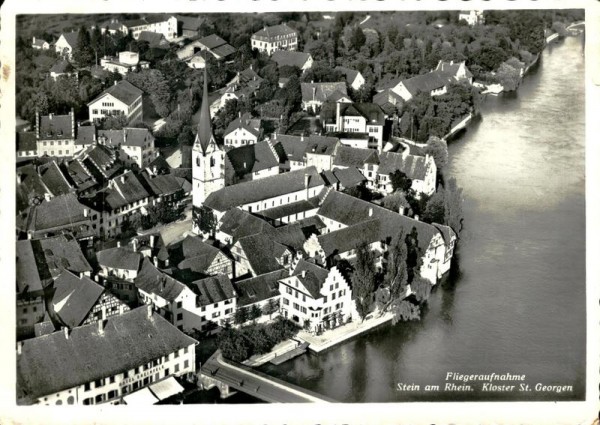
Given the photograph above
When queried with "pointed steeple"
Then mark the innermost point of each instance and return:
(205, 134)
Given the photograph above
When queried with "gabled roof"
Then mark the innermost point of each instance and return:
(153, 281)
(350, 74)
(126, 137)
(123, 91)
(259, 288)
(262, 189)
(38, 42)
(425, 83)
(347, 156)
(313, 279)
(154, 39)
(321, 92)
(63, 211)
(119, 258)
(197, 255)
(53, 178)
(288, 209)
(212, 41)
(166, 184)
(261, 252)
(246, 122)
(449, 69)
(127, 341)
(351, 237)
(223, 51)
(74, 298)
(252, 158)
(191, 23)
(293, 146)
(248, 75)
(213, 289)
(349, 177)
(71, 38)
(57, 127)
(125, 189)
(290, 235)
(239, 223)
(322, 145)
(274, 31)
(86, 135)
(290, 58)
(26, 141)
(387, 96)
(415, 167)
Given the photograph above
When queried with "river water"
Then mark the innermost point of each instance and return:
(517, 304)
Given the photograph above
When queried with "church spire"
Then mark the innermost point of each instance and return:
(205, 134)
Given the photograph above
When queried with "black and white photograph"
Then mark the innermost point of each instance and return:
(353, 204)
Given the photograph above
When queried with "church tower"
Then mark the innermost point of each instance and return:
(208, 158)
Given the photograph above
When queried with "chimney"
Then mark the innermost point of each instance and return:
(20, 343)
(251, 67)
(47, 196)
(37, 123)
(103, 317)
(50, 116)
(66, 332)
(370, 211)
(314, 93)
(303, 273)
(152, 240)
(86, 212)
(155, 260)
(118, 244)
(416, 217)
(101, 326)
(19, 178)
(115, 83)
(34, 39)
(338, 121)
(123, 179)
(96, 278)
(244, 164)
(134, 244)
(72, 114)
(306, 180)
(149, 310)
(122, 309)
(401, 210)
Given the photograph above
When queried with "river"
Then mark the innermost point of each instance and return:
(517, 304)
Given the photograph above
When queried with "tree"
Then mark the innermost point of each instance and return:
(414, 257)
(240, 316)
(395, 201)
(438, 149)
(363, 280)
(83, 53)
(271, 307)
(509, 76)
(453, 213)
(113, 122)
(255, 312)
(204, 219)
(436, 207)
(396, 276)
(357, 39)
(421, 288)
(405, 310)
(400, 181)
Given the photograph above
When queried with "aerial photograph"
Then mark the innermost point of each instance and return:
(300, 207)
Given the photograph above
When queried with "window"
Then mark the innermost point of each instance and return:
(179, 304)
(286, 301)
(186, 364)
(176, 368)
(179, 316)
(87, 386)
(216, 314)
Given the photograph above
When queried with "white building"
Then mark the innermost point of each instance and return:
(66, 43)
(40, 44)
(160, 24)
(119, 262)
(135, 145)
(355, 119)
(272, 39)
(123, 98)
(314, 297)
(354, 78)
(243, 131)
(110, 361)
(314, 95)
(471, 17)
(124, 63)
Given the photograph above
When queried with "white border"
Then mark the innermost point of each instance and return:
(388, 413)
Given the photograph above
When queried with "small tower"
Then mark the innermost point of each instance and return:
(207, 156)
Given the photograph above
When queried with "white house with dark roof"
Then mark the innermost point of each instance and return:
(134, 353)
(251, 162)
(353, 77)
(120, 262)
(421, 170)
(156, 23)
(39, 44)
(66, 43)
(258, 195)
(471, 17)
(315, 94)
(62, 68)
(314, 297)
(300, 60)
(55, 134)
(275, 38)
(242, 131)
(456, 71)
(124, 63)
(354, 119)
(192, 253)
(215, 300)
(135, 145)
(260, 291)
(123, 98)
(436, 241)
(433, 83)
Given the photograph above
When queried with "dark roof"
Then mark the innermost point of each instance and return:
(26, 141)
(61, 67)
(290, 58)
(100, 161)
(63, 211)
(313, 278)
(126, 137)
(128, 340)
(290, 235)
(293, 146)
(322, 145)
(71, 38)
(261, 251)
(425, 83)
(349, 210)
(38, 42)
(450, 69)
(415, 167)
(213, 289)
(265, 188)
(154, 39)
(86, 135)
(349, 177)
(119, 258)
(197, 255)
(351, 237)
(239, 223)
(190, 22)
(347, 156)
(212, 41)
(387, 96)
(252, 125)
(289, 209)
(372, 112)
(246, 76)
(252, 158)
(166, 184)
(204, 136)
(274, 31)
(31, 186)
(153, 281)
(322, 91)
(40, 260)
(57, 127)
(74, 297)
(125, 189)
(223, 51)
(350, 74)
(259, 288)
(123, 91)
(54, 179)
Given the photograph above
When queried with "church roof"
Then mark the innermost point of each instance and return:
(205, 134)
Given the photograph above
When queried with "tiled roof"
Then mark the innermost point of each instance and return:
(313, 278)
(349, 177)
(349, 210)
(63, 211)
(123, 90)
(350, 74)
(213, 289)
(212, 41)
(197, 255)
(26, 141)
(153, 281)
(387, 96)
(31, 186)
(290, 58)
(355, 157)
(450, 69)
(285, 210)
(54, 179)
(322, 145)
(262, 189)
(293, 146)
(248, 75)
(38, 42)
(239, 223)
(290, 235)
(261, 251)
(223, 51)
(321, 91)
(119, 258)
(166, 184)
(415, 167)
(86, 135)
(191, 23)
(126, 189)
(74, 297)
(57, 127)
(370, 111)
(128, 340)
(154, 39)
(351, 237)
(252, 158)
(252, 125)
(126, 137)
(259, 288)
(274, 31)
(71, 38)
(421, 83)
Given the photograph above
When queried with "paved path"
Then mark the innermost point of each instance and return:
(257, 384)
